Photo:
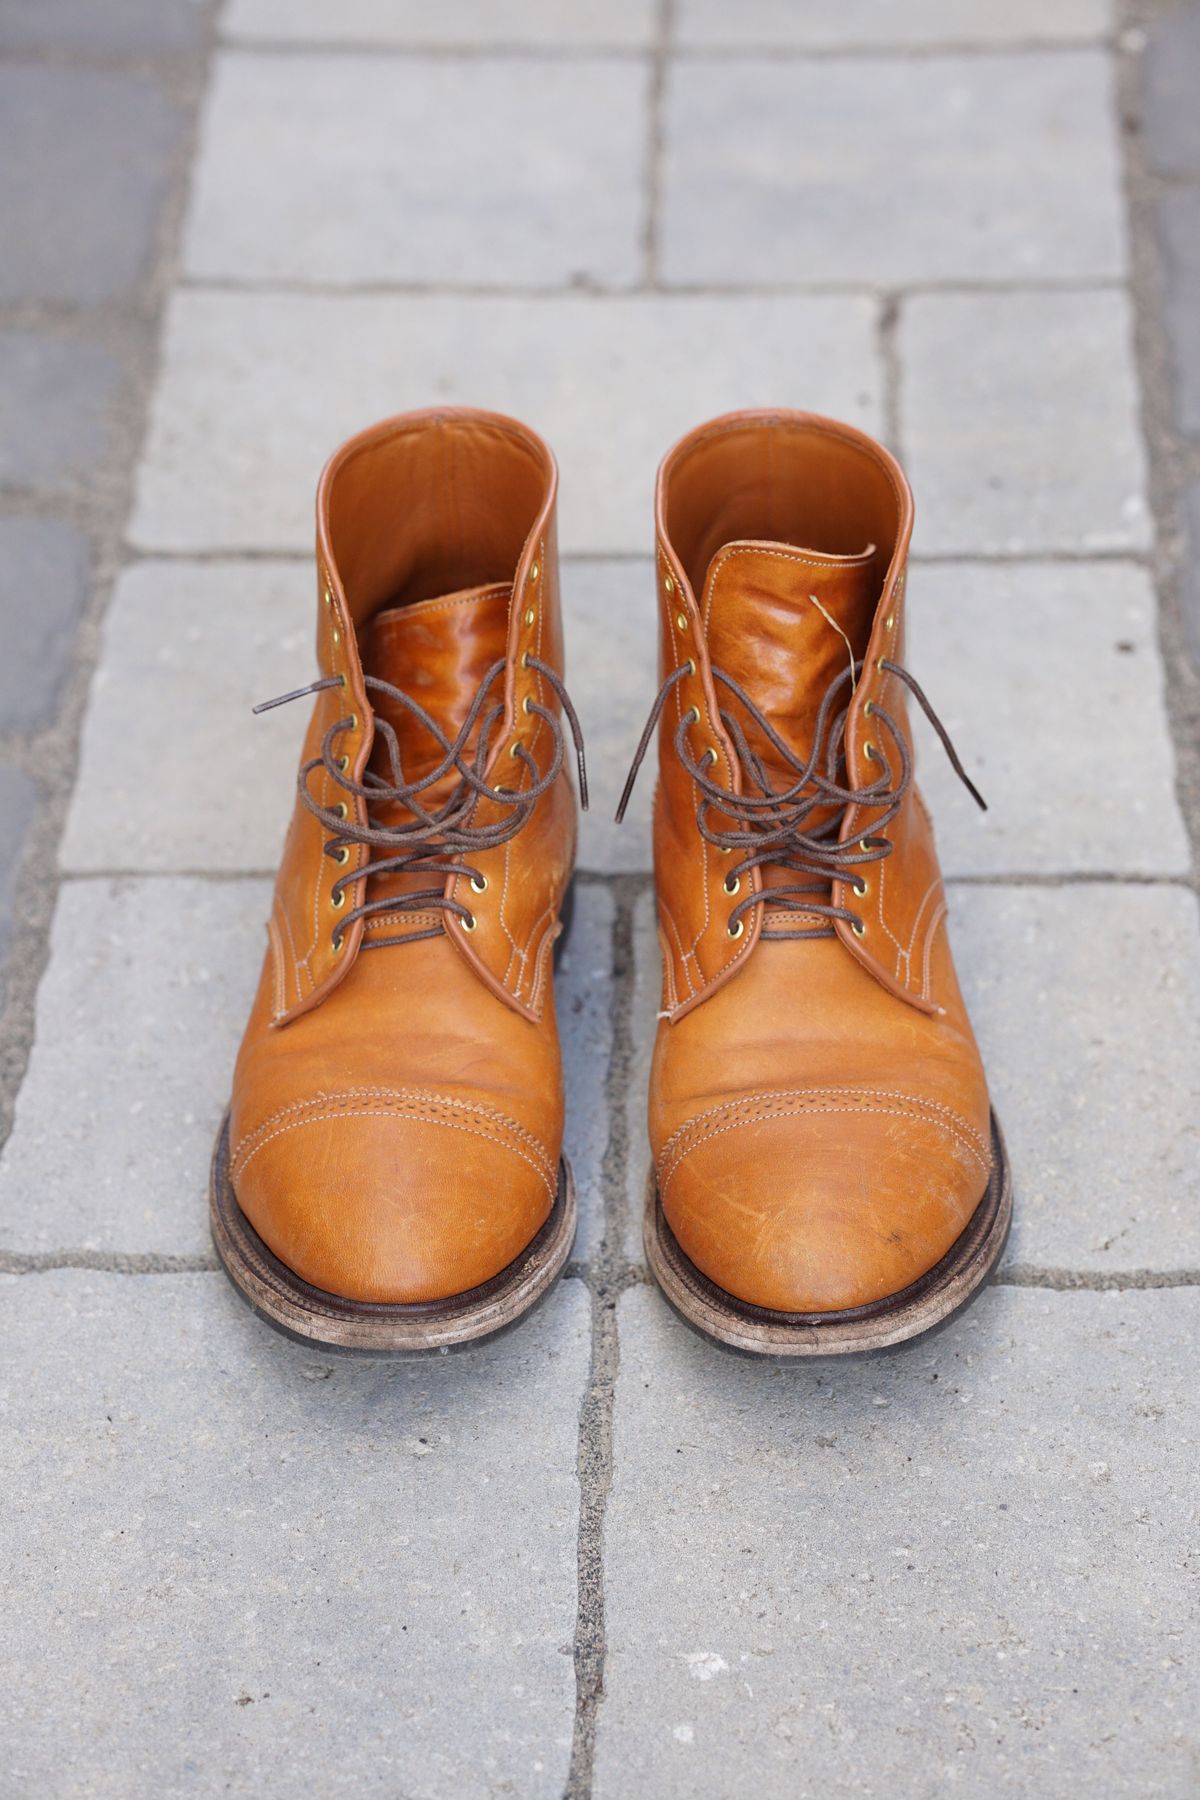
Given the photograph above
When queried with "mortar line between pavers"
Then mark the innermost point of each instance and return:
(1172, 461)
(1069, 1281)
(107, 1262)
(515, 51)
(1052, 1278)
(608, 1272)
(99, 506)
(595, 290)
(656, 141)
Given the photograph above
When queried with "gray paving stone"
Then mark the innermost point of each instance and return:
(874, 24)
(1179, 236)
(1019, 423)
(18, 798)
(188, 649)
(44, 568)
(87, 156)
(116, 28)
(1191, 569)
(958, 1568)
(474, 24)
(239, 1567)
(612, 671)
(1086, 1002)
(139, 1016)
(544, 188)
(998, 649)
(256, 391)
(1171, 73)
(583, 992)
(991, 168)
(55, 401)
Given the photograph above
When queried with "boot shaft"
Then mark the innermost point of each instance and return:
(437, 566)
(782, 549)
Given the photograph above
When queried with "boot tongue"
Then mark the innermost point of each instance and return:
(436, 651)
(785, 622)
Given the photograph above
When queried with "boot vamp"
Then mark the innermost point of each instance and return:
(401, 1141)
(818, 1144)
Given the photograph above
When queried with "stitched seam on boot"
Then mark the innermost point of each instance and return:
(400, 1113)
(765, 1098)
(892, 1112)
(413, 1098)
(936, 920)
(542, 963)
(829, 1091)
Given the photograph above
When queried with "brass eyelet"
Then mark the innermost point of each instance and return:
(869, 750)
(726, 849)
(338, 899)
(690, 666)
(681, 621)
(527, 704)
(865, 846)
(860, 888)
(480, 886)
(868, 708)
(879, 665)
(692, 716)
(343, 763)
(343, 856)
(469, 922)
(668, 584)
(710, 755)
(733, 884)
(859, 927)
(889, 621)
(338, 941)
(735, 931)
(524, 659)
(530, 615)
(354, 721)
(342, 810)
(534, 572)
(514, 749)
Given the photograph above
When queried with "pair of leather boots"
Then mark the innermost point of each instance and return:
(827, 1172)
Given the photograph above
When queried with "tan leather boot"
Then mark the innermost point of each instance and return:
(390, 1174)
(828, 1174)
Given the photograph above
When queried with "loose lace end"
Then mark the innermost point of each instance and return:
(314, 687)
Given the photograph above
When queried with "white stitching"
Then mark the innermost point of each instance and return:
(399, 1113)
(760, 1095)
(407, 1097)
(891, 1112)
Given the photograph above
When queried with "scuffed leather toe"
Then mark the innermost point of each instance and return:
(370, 1206)
(821, 1202)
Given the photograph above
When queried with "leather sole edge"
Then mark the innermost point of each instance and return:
(943, 1290)
(312, 1316)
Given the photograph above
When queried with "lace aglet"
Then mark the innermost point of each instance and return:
(583, 783)
(626, 796)
(314, 687)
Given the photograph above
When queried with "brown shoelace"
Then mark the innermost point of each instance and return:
(430, 841)
(777, 826)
